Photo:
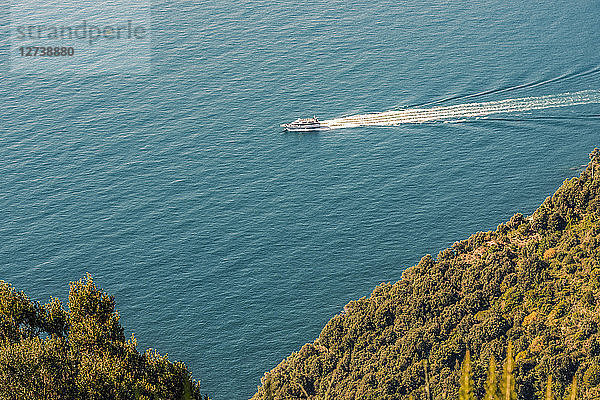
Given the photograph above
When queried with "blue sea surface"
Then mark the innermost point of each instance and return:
(228, 243)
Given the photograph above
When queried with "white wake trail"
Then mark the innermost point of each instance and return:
(445, 113)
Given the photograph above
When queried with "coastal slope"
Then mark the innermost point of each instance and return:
(534, 281)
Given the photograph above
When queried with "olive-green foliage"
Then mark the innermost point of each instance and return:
(49, 353)
(491, 383)
(507, 384)
(427, 381)
(466, 379)
(573, 394)
(507, 390)
(534, 280)
(94, 323)
(549, 391)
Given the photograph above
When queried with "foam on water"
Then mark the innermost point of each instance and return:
(463, 111)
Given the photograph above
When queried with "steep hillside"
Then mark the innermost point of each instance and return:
(535, 281)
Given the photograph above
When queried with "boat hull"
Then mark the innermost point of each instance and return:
(305, 129)
(305, 125)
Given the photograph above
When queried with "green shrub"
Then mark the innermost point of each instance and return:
(49, 353)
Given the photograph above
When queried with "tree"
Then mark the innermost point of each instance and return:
(549, 395)
(51, 354)
(466, 379)
(594, 157)
(93, 318)
(507, 385)
(427, 381)
(573, 394)
(491, 383)
(19, 316)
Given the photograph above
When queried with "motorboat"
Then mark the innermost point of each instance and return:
(305, 125)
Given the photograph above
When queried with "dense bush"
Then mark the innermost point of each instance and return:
(534, 281)
(47, 352)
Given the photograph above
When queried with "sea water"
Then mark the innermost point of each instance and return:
(228, 243)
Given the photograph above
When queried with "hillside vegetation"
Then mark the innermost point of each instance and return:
(47, 352)
(533, 281)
